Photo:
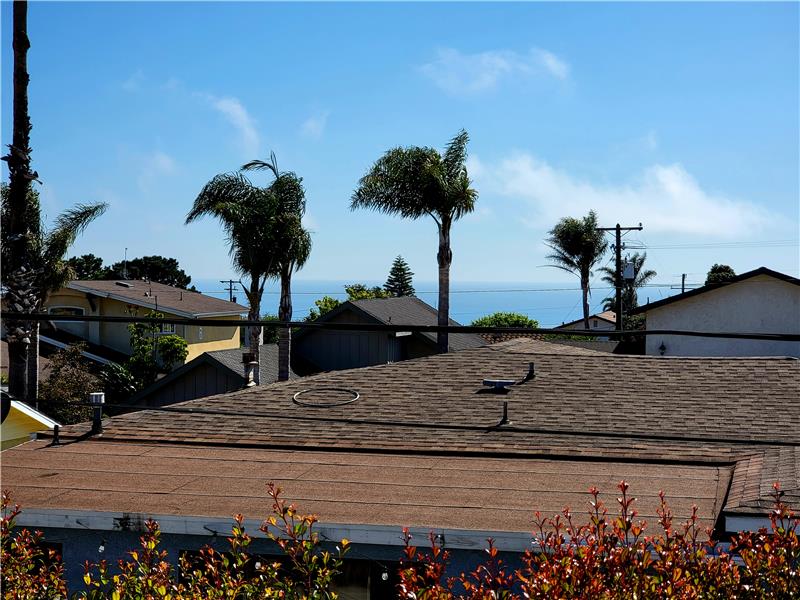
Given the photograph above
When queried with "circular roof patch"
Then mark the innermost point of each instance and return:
(325, 397)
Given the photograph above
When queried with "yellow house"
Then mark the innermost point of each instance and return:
(138, 297)
(19, 421)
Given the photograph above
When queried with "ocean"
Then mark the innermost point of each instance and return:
(549, 303)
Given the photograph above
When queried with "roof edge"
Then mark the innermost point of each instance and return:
(716, 286)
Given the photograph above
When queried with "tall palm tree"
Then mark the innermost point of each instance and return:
(415, 182)
(48, 268)
(577, 247)
(17, 227)
(641, 278)
(247, 214)
(292, 246)
(32, 256)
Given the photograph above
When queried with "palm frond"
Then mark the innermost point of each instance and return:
(68, 226)
(224, 197)
(455, 156)
(261, 165)
(398, 183)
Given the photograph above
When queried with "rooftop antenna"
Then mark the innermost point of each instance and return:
(125, 265)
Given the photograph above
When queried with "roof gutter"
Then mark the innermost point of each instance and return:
(379, 535)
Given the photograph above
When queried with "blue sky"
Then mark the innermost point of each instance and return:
(681, 116)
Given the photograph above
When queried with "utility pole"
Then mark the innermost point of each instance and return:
(230, 288)
(618, 270)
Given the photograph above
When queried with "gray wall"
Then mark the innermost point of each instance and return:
(204, 380)
(80, 545)
(332, 350)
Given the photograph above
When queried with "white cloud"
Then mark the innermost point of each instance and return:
(665, 198)
(557, 67)
(236, 114)
(314, 126)
(155, 165)
(459, 73)
(134, 82)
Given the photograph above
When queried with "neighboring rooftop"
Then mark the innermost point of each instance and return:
(609, 316)
(191, 381)
(697, 423)
(159, 296)
(405, 310)
(744, 277)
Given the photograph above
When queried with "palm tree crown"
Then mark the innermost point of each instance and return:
(414, 182)
(641, 278)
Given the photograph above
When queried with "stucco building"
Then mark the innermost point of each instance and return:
(761, 301)
(137, 297)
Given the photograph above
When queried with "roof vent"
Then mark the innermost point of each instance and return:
(124, 284)
(499, 384)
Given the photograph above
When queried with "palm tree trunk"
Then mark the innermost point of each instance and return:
(445, 259)
(585, 295)
(285, 333)
(254, 333)
(33, 365)
(18, 227)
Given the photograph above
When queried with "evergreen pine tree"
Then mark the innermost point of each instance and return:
(399, 282)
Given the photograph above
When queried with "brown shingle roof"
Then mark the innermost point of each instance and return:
(581, 406)
(342, 487)
(164, 297)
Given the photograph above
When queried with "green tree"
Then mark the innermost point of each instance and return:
(399, 283)
(87, 266)
(265, 236)
(292, 245)
(69, 381)
(354, 291)
(152, 352)
(718, 274)
(270, 333)
(155, 268)
(46, 270)
(506, 319)
(641, 277)
(417, 182)
(577, 246)
(247, 214)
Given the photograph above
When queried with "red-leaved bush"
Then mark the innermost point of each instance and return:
(602, 557)
(613, 558)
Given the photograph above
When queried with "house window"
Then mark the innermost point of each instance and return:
(594, 323)
(72, 311)
(167, 328)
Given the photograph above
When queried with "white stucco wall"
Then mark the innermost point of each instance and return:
(761, 304)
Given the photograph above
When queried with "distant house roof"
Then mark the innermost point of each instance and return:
(230, 360)
(609, 316)
(159, 296)
(716, 286)
(424, 444)
(405, 310)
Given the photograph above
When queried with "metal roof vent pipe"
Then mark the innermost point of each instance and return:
(97, 400)
(250, 366)
(531, 374)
